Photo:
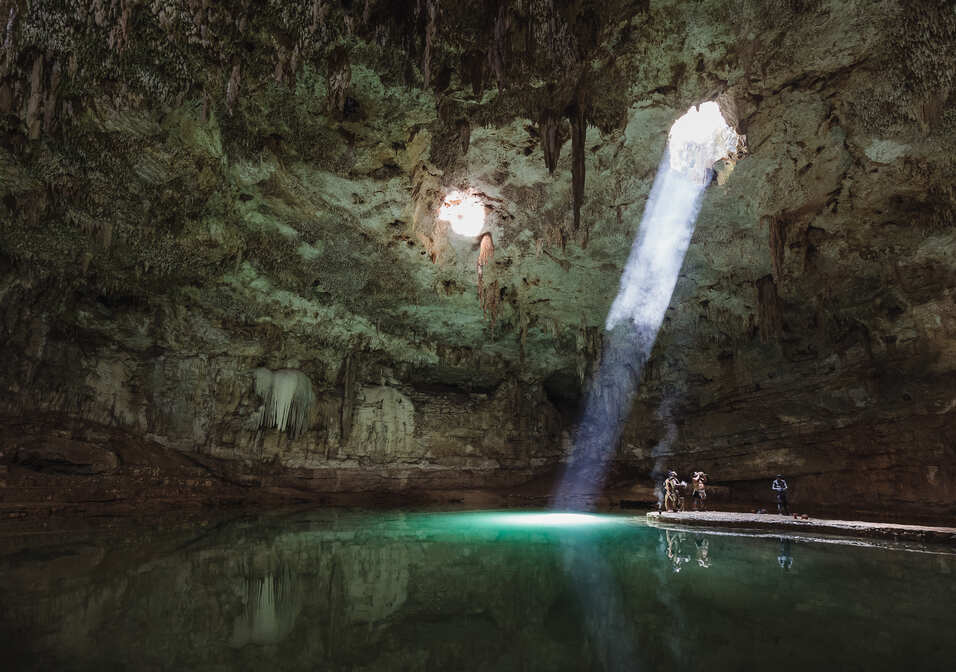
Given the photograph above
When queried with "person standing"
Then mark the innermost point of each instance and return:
(672, 492)
(779, 486)
(699, 495)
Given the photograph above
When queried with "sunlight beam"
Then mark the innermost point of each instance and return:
(696, 141)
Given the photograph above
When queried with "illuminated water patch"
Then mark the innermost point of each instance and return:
(494, 523)
(550, 519)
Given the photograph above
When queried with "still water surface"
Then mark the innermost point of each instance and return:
(346, 590)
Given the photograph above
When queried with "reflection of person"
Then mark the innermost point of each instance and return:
(779, 486)
(703, 552)
(674, 549)
(672, 497)
(785, 560)
(700, 493)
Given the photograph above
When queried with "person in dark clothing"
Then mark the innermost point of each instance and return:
(779, 486)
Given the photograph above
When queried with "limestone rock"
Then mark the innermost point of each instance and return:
(173, 219)
(66, 457)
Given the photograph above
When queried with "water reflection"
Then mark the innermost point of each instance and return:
(784, 558)
(270, 605)
(675, 545)
(350, 591)
(675, 549)
(703, 551)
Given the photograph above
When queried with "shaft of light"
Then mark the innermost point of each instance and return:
(657, 255)
(632, 325)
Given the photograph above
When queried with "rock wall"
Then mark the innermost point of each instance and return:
(172, 221)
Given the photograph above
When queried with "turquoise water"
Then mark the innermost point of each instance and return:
(345, 590)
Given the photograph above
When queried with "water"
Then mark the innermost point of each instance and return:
(341, 590)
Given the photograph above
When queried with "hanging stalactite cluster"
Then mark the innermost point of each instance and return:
(173, 50)
(287, 398)
(64, 64)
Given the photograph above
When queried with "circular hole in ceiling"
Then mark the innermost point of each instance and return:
(699, 139)
(464, 211)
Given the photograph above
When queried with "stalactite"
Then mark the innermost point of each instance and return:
(119, 33)
(340, 76)
(232, 88)
(49, 105)
(777, 229)
(486, 254)
(524, 322)
(287, 397)
(590, 347)
(35, 100)
(578, 135)
(499, 44)
(8, 37)
(489, 294)
(464, 135)
(550, 128)
(431, 11)
(768, 309)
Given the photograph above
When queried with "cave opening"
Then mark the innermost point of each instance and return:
(464, 211)
(699, 139)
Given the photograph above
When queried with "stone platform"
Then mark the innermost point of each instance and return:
(854, 528)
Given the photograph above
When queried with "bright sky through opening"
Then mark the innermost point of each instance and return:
(465, 212)
(699, 139)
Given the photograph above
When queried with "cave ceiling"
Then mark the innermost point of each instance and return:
(262, 180)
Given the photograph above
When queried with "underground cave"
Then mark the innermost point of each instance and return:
(487, 335)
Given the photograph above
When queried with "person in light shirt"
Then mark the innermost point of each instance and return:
(699, 495)
(672, 494)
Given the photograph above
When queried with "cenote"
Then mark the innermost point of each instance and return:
(490, 590)
(344, 335)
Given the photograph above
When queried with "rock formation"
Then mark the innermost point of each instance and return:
(190, 191)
